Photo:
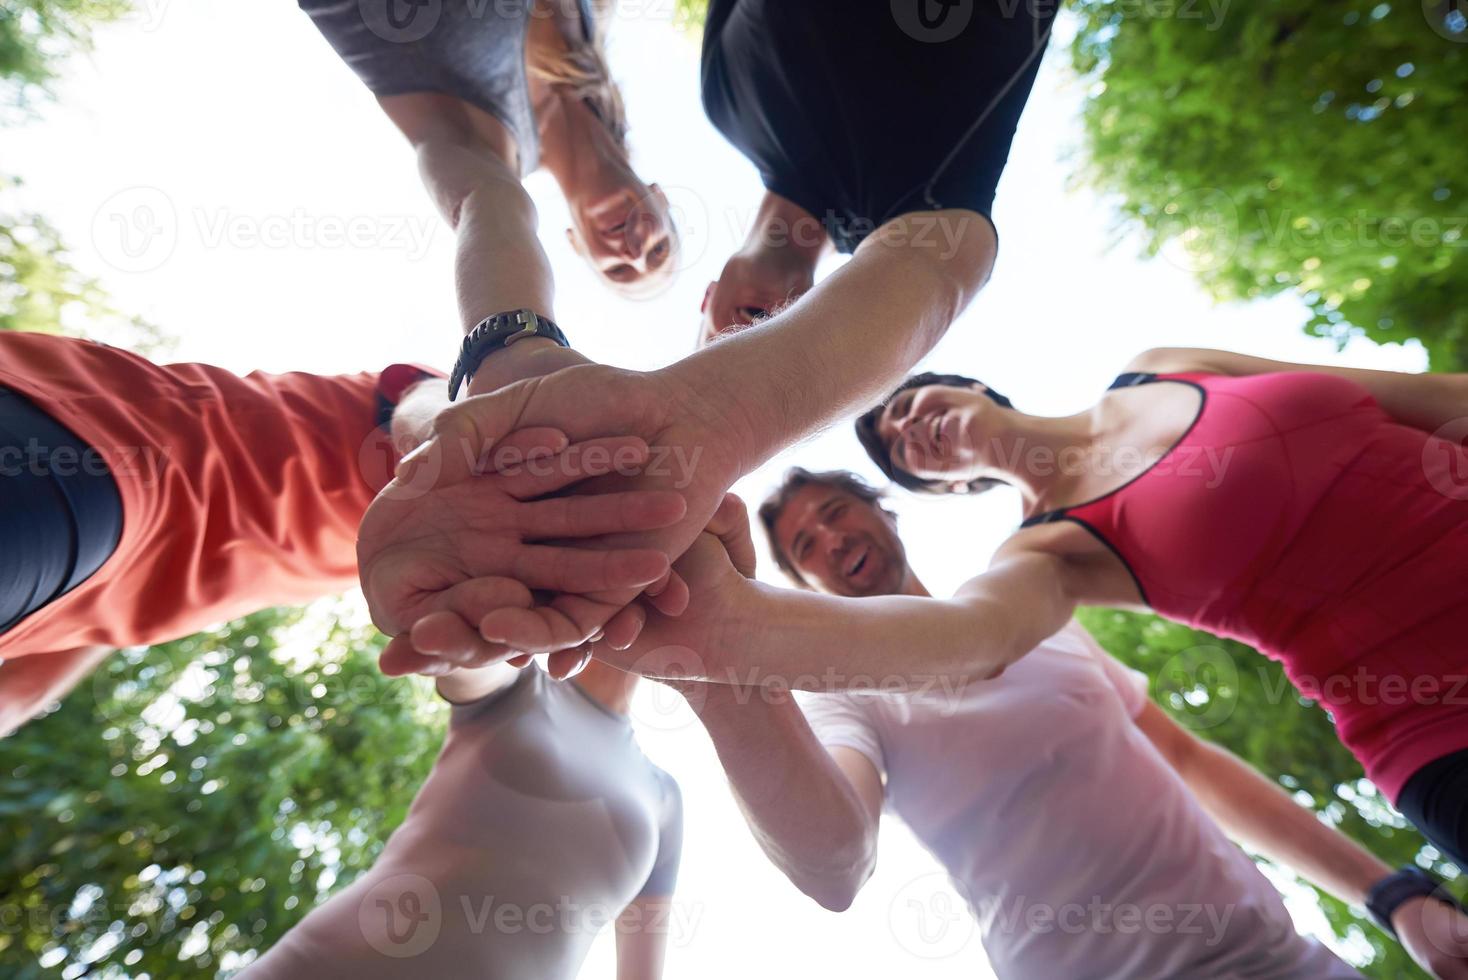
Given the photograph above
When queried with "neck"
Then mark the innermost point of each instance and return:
(579, 152)
(1036, 455)
(786, 234)
(612, 687)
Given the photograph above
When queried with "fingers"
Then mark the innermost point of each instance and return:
(593, 515)
(584, 571)
(566, 664)
(623, 629)
(569, 621)
(399, 659)
(526, 445)
(447, 635)
(526, 477)
(464, 433)
(730, 524)
(672, 599)
(543, 629)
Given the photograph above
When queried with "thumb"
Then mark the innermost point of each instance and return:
(464, 434)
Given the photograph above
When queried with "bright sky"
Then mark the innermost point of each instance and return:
(287, 230)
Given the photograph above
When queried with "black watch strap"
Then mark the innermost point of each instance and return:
(1400, 887)
(495, 332)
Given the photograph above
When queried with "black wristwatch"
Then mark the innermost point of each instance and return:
(1399, 888)
(495, 332)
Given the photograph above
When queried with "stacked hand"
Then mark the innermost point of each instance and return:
(704, 643)
(467, 529)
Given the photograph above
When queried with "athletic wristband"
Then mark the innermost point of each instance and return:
(494, 333)
(1399, 888)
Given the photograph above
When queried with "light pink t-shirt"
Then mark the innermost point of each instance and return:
(1079, 849)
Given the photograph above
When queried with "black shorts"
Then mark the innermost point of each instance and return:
(1436, 800)
(60, 511)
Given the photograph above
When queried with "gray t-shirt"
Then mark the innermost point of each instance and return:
(1080, 851)
(540, 822)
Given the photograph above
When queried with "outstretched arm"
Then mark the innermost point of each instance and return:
(29, 684)
(1423, 401)
(1259, 815)
(721, 412)
(824, 642)
(814, 813)
(852, 338)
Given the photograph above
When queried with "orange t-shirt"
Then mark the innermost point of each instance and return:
(237, 493)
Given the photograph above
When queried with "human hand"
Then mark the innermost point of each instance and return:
(1435, 933)
(702, 644)
(692, 456)
(432, 556)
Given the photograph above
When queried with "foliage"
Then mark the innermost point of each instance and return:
(192, 801)
(37, 35)
(1291, 147)
(690, 14)
(1225, 692)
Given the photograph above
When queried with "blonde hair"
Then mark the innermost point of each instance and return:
(580, 69)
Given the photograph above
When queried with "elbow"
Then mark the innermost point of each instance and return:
(835, 897)
(836, 891)
(835, 887)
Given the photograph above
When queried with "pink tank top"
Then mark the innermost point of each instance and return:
(1295, 515)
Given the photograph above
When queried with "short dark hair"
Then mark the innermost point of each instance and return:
(796, 478)
(871, 441)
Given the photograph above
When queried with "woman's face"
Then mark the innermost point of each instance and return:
(935, 432)
(627, 236)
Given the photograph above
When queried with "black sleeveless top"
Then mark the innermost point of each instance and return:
(861, 111)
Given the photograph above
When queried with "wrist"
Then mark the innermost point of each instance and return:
(530, 358)
(1402, 894)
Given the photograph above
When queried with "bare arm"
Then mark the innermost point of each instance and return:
(1260, 815)
(29, 684)
(817, 642)
(851, 339)
(814, 813)
(642, 938)
(1423, 401)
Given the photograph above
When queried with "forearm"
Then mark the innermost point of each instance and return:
(500, 264)
(850, 340)
(1262, 817)
(29, 684)
(819, 642)
(800, 807)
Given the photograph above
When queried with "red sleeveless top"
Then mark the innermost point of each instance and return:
(1295, 515)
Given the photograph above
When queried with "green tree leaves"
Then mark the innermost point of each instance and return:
(1290, 148)
(1225, 692)
(192, 801)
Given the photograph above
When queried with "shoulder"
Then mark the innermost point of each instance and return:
(1171, 360)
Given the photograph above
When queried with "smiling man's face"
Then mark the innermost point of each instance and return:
(841, 545)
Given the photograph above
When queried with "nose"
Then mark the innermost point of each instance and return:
(836, 544)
